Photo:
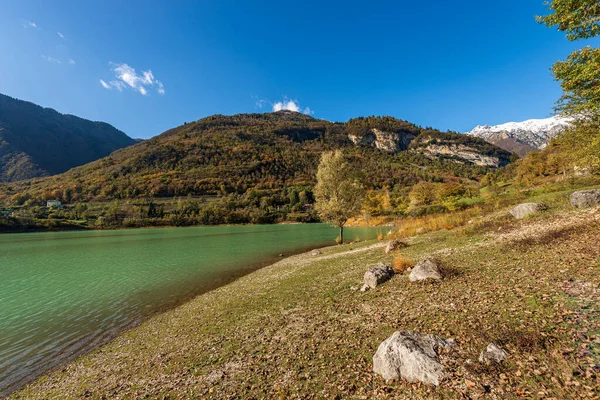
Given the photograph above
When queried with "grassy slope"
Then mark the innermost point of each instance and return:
(296, 329)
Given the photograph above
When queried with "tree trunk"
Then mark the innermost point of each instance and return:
(342, 234)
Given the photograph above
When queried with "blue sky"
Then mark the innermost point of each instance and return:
(450, 65)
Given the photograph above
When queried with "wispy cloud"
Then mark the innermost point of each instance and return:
(51, 59)
(71, 61)
(30, 24)
(285, 104)
(60, 35)
(126, 76)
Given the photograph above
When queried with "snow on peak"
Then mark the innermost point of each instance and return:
(535, 132)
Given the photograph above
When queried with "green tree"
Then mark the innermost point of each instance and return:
(579, 19)
(579, 77)
(339, 192)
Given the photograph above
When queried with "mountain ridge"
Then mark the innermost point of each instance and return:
(234, 154)
(38, 141)
(522, 137)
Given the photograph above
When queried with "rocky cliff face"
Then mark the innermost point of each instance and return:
(391, 142)
(462, 152)
(522, 137)
(461, 149)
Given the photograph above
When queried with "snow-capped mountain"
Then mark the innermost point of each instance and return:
(522, 137)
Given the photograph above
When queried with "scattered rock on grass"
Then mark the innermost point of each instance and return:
(412, 356)
(526, 209)
(316, 252)
(394, 245)
(493, 354)
(424, 270)
(377, 275)
(585, 198)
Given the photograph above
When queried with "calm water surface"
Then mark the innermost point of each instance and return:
(64, 293)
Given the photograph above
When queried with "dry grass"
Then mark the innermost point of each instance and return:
(432, 223)
(401, 264)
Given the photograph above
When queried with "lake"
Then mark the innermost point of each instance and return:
(65, 293)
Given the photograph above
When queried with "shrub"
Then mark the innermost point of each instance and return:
(401, 264)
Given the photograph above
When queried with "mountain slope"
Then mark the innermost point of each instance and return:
(522, 137)
(222, 155)
(37, 141)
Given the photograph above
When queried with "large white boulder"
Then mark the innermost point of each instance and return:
(526, 209)
(424, 270)
(585, 198)
(411, 356)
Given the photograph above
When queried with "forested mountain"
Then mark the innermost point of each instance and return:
(37, 141)
(233, 154)
(257, 168)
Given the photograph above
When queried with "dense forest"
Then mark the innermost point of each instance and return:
(247, 168)
(37, 141)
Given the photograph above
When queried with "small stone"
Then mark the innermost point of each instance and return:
(493, 353)
(364, 288)
(394, 245)
(316, 252)
(377, 275)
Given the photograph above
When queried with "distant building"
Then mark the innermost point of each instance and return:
(53, 204)
(308, 207)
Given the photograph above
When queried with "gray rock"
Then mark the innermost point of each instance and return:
(493, 353)
(585, 198)
(526, 209)
(377, 275)
(411, 356)
(424, 270)
(316, 252)
(364, 288)
(394, 245)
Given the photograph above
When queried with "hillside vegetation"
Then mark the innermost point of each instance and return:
(247, 168)
(37, 141)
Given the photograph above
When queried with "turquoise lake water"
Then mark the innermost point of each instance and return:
(65, 293)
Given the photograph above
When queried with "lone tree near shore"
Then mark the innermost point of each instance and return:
(339, 192)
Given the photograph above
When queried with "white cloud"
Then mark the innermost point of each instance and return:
(127, 77)
(60, 35)
(52, 59)
(285, 104)
(30, 24)
(289, 105)
(71, 61)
